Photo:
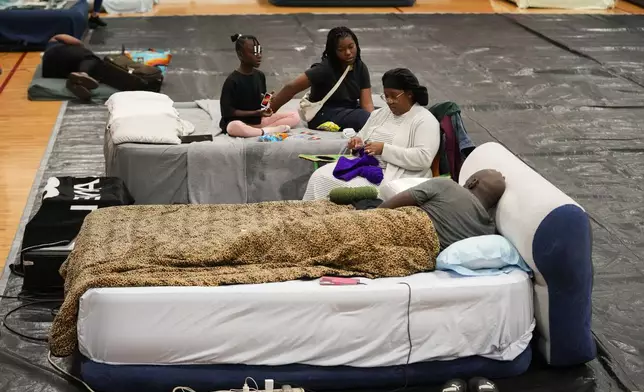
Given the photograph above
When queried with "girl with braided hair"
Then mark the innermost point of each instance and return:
(351, 105)
(242, 114)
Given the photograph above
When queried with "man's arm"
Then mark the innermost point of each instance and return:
(415, 196)
(403, 199)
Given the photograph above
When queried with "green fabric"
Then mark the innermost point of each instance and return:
(326, 158)
(347, 195)
(444, 109)
(50, 89)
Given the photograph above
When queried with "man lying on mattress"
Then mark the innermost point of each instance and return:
(457, 212)
(212, 245)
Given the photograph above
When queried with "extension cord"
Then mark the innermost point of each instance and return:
(274, 390)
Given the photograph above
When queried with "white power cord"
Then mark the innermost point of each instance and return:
(246, 388)
(188, 389)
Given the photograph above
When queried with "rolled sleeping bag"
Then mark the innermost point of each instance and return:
(347, 195)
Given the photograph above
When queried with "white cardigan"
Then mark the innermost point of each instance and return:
(415, 143)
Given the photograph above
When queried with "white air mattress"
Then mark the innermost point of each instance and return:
(304, 322)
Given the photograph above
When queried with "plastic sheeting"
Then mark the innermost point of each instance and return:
(565, 93)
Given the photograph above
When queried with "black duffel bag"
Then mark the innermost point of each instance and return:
(125, 74)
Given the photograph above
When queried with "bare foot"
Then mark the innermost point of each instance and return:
(276, 129)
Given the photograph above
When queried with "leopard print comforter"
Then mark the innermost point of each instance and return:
(211, 245)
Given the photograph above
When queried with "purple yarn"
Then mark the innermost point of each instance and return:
(364, 166)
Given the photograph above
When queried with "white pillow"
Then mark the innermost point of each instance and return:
(149, 128)
(392, 188)
(141, 109)
(482, 255)
(128, 98)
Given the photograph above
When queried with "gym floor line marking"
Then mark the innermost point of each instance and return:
(12, 72)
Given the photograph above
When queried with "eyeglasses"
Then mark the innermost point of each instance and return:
(391, 100)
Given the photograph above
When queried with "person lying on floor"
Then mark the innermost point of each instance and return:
(351, 104)
(457, 212)
(403, 137)
(242, 94)
(67, 58)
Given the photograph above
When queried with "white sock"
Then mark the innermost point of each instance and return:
(276, 129)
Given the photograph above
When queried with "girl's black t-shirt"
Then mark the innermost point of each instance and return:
(242, 92)
(323, 77)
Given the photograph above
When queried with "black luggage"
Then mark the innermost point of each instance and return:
(65, 204)
(49, 235)
(125, 74)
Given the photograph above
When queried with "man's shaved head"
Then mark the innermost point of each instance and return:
(487, 185)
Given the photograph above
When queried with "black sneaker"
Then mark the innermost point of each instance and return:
(79, 91)
(84, 80)
(95, 21)
(81, 85)
(480, 384)
(454, 386)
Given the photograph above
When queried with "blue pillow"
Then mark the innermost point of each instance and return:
(482, 255)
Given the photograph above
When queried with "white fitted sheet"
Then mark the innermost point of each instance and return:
(306, 323)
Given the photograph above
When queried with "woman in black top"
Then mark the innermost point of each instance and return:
(351, 105)
(241, 96)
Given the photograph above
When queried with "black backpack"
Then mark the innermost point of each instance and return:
(66, 201)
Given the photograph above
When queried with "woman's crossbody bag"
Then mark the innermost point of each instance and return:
(308, 110)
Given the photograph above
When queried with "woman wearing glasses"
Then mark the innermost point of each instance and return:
(403, 136)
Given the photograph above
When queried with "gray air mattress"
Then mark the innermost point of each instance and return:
(225, 170)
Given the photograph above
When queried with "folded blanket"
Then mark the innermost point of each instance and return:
(211, 245)
(364, 166)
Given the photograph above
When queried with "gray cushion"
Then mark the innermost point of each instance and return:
(50, 89)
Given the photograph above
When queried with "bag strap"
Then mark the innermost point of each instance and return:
(337, 85)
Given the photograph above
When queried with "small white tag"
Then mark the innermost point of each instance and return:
(82, 208)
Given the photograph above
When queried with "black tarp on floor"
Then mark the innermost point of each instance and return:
(564, 92)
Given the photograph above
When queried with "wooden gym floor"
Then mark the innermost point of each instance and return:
(25, 126)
